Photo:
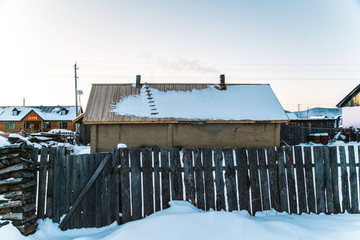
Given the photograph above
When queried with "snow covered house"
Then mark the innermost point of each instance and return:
(183, 115)
(351, 109)
(37, 118)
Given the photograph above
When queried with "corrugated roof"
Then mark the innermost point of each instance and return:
(47, 113)
(113, 103)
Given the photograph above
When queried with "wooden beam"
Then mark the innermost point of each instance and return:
(84, 191)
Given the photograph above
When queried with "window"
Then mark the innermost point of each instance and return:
(63, 111)
(10, 125)
(15, 112)
(63, 125)
(46, 125)
(27, 125)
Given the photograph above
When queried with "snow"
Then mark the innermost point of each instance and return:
(238, 102)
(63, 131)
(3, 141)
(183, 221)
(291, 116)
(351, 116)
(121, 145)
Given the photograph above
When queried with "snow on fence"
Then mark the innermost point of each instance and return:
(94, 190)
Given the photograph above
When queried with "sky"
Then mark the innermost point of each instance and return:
(307, 50)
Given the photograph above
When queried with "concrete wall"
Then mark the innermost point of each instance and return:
(105, 137)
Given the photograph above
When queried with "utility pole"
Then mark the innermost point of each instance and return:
(299, 111)
(76, 77)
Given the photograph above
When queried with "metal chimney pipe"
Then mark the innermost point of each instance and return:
(222, 82)
(138, 81)
(23, 102)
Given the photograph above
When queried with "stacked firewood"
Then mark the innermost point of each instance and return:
(17, 188)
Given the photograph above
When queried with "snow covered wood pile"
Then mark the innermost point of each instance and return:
(18, 187)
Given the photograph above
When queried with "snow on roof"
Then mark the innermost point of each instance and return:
(47, 113)
(237, 102)
(291, 115)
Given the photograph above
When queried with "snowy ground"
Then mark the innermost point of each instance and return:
(183, 221)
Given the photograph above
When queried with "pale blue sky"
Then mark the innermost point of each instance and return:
(307, 50)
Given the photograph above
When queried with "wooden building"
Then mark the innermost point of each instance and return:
(350, 105)
(183, 115)
(37, 118)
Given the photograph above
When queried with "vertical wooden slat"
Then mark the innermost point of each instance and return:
(282, 180)
(254, 180)
(189, 175)
(68, 183)
(291, 179)
(62, 182)
(125, 185)
(56, 188)
(243, 179)
(136, 184)
(92, 192)
(230, 179)
(199, 178)
(273, 178)
(42, 183)
(335, 178)
(74, 194)
(175, 175)
(300, 179)
(309, 180)
(108, 188)
(319, 179)
(209, 179)
(219, 179)
(116, 179)
(353, 181)
(98, 190)
(264, 179)
(165, 183)
(147, 181)
(344, 181)
(328, 181)
(50, 185)
(157, 179)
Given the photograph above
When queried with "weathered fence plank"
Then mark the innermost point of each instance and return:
(50, 185)
(300, 179)
(209, 179)
(291, 179)
(165, 183)
(328, 181)
(157, 180)
(243, 179)
(273, 178)
(125, 185)
(230, 179)
(282, 180)
(136, 184)
(319, 179)
(264, 179)
(199, 179)
(219, 179)
(175, 175)
(335, 178)
(309, 180)
(42, 183)
(147, 181)
(254, 180)
(353, 181)
(344, 181)
(189, 176)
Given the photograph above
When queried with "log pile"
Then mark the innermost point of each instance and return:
(17, 188)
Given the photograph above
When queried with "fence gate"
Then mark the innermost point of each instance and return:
(81, 189)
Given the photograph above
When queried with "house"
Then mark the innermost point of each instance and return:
(351, 109)
(183, 115)
(37, 118)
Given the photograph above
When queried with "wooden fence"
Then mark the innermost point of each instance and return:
(83, 189)
(89, 191)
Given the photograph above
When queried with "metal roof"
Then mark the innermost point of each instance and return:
(104, 97)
